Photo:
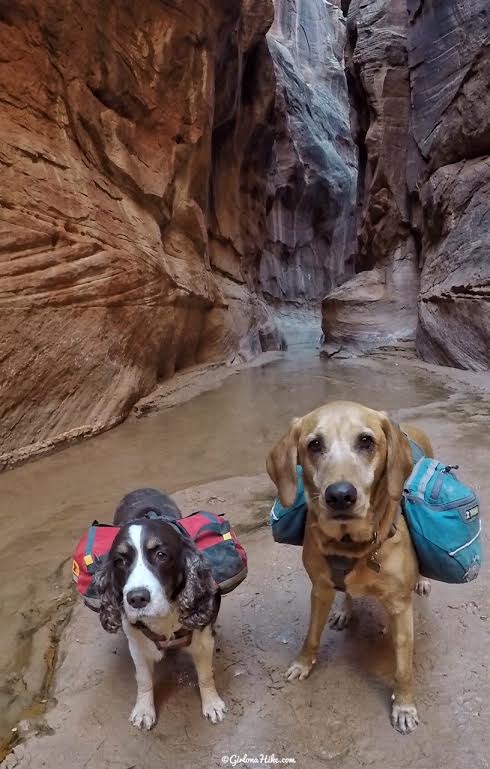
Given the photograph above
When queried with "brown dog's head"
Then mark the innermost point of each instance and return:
(355, 462)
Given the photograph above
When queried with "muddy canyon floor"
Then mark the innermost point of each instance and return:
(67, 687)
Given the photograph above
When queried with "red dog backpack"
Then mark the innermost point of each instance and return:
(211, 533)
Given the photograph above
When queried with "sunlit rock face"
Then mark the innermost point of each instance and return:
(312, 183)
(136, 139)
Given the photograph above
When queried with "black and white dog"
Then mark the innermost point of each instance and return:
(157, 586)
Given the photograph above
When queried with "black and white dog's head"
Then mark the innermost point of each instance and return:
(152, 570)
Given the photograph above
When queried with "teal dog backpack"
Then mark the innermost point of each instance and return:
(288, 523)
(441, 512)
(443, 517)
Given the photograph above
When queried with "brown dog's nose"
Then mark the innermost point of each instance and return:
(340, 496)
(138, 598)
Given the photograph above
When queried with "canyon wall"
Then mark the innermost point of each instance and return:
(378, 306)
(135, 139)
(312, 180)
(449, 177)
(418, 80)
(165, 168)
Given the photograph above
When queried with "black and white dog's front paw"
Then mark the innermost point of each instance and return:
(213, 708)
(143, 715)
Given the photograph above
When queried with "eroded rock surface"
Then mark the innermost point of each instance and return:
(418, 77)
(312, 184)
(449, 57)
(379, 304)
(134, 142)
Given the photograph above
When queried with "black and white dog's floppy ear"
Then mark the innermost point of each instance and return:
(110, 595)
(197, 601)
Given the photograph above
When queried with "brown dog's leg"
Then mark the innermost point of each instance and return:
(321, 601)
(404, 716)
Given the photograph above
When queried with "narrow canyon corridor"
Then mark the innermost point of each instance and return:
(210, 451)
(216, 216)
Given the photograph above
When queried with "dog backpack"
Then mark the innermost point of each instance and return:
(288, 523)
(211, 533)
(213, 536)
(442, 514)
(95, 544)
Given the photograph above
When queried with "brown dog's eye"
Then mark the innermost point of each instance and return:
(315, 446)
(365, 441)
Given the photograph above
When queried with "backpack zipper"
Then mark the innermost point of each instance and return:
(440, 480)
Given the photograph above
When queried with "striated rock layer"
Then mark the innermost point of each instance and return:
(312, 183)
(134, 139)
(418, 77)
(379, 305)
(449, 59)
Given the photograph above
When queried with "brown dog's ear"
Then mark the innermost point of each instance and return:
(399, 461)
(281, 464)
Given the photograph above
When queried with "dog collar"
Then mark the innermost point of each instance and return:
(181, 638)
(341, 565)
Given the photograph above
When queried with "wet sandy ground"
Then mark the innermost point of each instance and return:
(340, 715)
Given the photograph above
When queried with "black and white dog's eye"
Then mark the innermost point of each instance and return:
(365, 441)
(119, 562)
(315, 446)
(161, 555)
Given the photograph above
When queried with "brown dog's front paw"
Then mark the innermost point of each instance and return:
(404, 718)
(340, 616)
(300, 669)
(422, 587)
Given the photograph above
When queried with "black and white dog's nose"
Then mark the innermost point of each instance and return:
(138, 598)
(340, 496)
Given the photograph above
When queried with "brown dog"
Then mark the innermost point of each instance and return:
(355, 462)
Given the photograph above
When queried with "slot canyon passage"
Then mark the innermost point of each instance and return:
(215, 217)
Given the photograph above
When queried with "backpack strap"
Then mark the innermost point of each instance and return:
(173, 522)
(417, 451)
(340, 566)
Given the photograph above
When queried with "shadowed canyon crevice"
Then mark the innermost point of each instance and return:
(312, 182)
(171, 172)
